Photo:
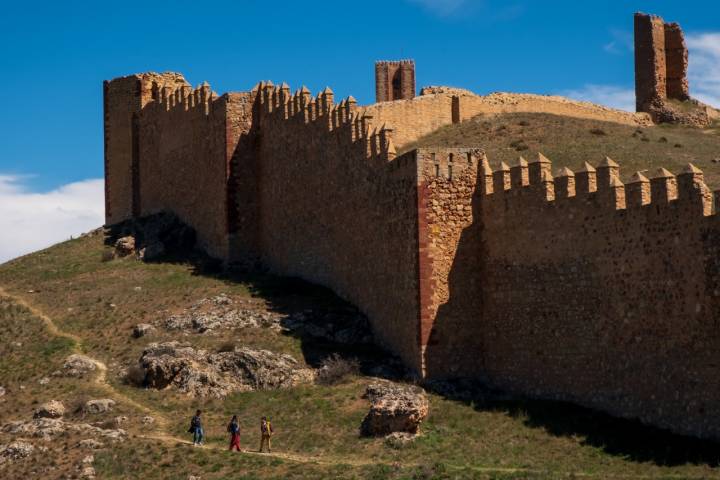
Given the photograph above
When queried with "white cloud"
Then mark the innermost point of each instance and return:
(608, 95)
(704, 67)
(31, 221)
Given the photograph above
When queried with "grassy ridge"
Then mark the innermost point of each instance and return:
(569, 142)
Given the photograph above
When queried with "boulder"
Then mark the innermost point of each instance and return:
(142, 329)
(2, 391)
(201, 374)
(51, 409)
(125, 246)
(77, 365)
(98, 406)
(394, 408)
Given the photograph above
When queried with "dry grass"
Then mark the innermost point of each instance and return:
(571, 141)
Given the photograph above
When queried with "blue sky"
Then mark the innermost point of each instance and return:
(55, 56)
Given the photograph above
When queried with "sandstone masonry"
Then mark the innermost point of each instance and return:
(570, 286)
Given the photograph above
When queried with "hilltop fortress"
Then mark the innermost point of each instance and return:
(562, 285)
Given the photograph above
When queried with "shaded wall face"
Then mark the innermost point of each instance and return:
(184, 165)
(336, 213)
(122, 100)
(451, 294)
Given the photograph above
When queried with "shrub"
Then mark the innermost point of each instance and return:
(335, 369)
(524, 123)
(107, 255)
(663, 140)
(678, 145)
(227, 346)
(135, 376)
(598, 131)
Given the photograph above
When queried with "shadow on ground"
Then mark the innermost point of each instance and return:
(627, 438)
(301, 302)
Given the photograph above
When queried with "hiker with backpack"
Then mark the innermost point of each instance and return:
(266, 432)
(233, 429)
(196, 429)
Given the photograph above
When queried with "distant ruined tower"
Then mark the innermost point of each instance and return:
(661, 60)
(394, 80)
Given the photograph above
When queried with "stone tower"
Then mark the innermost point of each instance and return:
(394, 80)
(661, 60)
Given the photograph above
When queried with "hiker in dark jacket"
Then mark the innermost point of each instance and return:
(234, 430)
(196, 429)
(266, 432)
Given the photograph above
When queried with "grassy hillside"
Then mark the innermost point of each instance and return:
(95, 303)
(571, 141)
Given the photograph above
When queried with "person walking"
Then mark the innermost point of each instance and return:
(234, 429)
(196, 429)
(266, 432)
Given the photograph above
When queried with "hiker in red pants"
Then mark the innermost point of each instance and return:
(234, 429)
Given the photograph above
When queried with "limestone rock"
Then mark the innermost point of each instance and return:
(147, 420)
(394, 408)
(2, 391)
(51, 409)
(99, 406)
(15, 451)
(91, 443)
(201, 374)
(53, 427)
(142, 329)
(220, 313)
(345, 326)
(125, 246)
(77, 365)
(399, 440)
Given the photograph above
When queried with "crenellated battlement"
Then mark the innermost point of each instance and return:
(534, 180)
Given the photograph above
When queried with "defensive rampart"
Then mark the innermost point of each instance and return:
(574, 287)
(581, 288)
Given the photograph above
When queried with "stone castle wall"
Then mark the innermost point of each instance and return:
(575, 287)
(580, 288)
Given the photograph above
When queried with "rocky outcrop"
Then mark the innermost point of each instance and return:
(15, 451)
(102, 405)
(51, 409)
(344, 326)
(152, 237)
(53, 427)
(125, 246)
(220, 313)
(203, 374)
(77, 365)
(394, 408)
(142, 329)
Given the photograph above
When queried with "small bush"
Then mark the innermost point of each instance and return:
(135, 376)
(662, 140)
(524, 123)
(598, 131)
(107, 255)
(335, 369)
(678, 145)
(227, 346)
(519, 145)
(645, 139)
